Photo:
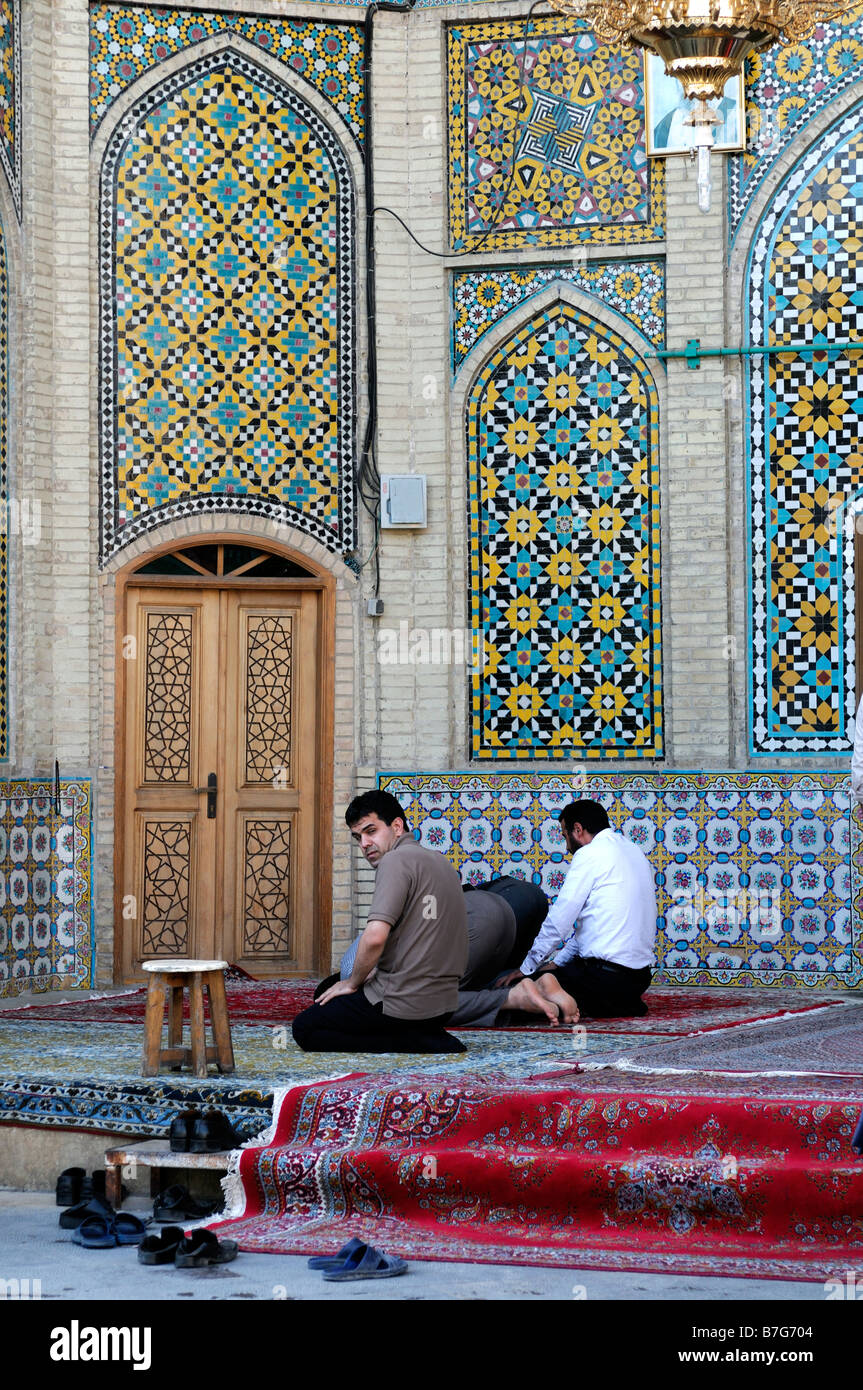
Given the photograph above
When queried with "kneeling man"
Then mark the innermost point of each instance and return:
(595, 949)
(403, 985)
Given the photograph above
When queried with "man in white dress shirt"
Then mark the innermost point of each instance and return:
(595, 949)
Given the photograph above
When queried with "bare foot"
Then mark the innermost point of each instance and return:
(549, 986)
(527, 997)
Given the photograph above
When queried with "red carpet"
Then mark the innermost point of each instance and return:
(723, 1175)
(274, 1002)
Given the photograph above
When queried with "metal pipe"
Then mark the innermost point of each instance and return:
(693, 352)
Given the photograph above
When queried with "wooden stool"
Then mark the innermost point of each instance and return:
(168, 979)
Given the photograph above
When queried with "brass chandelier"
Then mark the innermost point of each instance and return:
(703, 43)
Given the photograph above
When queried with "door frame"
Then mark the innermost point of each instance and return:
(322, 583)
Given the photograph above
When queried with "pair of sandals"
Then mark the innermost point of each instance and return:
(173, 1247)
(356, 1260)
(103, 1230)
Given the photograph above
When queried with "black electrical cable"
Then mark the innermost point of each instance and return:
(470, 250)
(367, 475)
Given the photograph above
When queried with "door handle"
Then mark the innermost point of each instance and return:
(212, 790)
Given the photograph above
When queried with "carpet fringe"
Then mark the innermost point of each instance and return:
(54, 1003)
(627, 1064)
(777, 1018)
(232, 1182)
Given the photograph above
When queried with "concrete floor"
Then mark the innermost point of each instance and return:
(33, 1247)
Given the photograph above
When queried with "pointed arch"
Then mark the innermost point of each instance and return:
(227, 377)
(562, 435)
(804, 462)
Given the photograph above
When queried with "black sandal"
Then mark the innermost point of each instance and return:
(202, 1248)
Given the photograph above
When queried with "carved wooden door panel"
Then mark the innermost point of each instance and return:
(219, 853)
(268, 905)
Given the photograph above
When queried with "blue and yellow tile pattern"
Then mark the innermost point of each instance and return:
(758, 875)
(481, 298)
(46, 930)
(227, 302)
(806, 464)
(563, 476)
(785, 88)
(10, 96)
(546, 138)
(128, 40)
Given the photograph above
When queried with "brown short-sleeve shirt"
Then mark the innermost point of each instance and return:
(419, 893)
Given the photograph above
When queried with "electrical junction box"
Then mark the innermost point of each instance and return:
(403, 500)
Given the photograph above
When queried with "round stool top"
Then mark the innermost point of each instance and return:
(174, 966)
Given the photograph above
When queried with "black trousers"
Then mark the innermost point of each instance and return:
(604, 991)
(349, 1023)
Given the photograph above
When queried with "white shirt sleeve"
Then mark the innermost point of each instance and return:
(557, 933)
(857, 757)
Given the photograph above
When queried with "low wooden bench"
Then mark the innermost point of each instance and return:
(168, 981)
(154, 1154)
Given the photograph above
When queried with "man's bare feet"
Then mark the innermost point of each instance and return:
(549, 986)
(527, 997)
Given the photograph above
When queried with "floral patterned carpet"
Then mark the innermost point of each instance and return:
(610, 1171)
(675, 1010)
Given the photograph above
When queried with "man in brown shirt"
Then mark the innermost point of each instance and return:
(403, 986)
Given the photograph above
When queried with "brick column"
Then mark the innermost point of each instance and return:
(695, 553)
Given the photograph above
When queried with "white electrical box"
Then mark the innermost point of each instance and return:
(403, 500)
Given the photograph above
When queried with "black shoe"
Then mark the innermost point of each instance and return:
(161, 1249)
(97, 1206)
(180, 1133)
(212, 1133)
(69, 1187)
(177, 1204)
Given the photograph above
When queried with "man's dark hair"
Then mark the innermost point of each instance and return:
(375, 803)
(588, 814)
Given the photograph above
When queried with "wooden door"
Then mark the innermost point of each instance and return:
(220, 811)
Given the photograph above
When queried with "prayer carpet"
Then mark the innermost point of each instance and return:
(88, 1075)
(715, 1175)
(830, 1044)
(678, 1010)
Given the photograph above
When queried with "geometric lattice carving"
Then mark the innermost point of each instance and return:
(167, 865)
(546, 138)
(806, 456)
(226, 291)
(269, 644)
(563, 468)
(168, 696)
(267, 885)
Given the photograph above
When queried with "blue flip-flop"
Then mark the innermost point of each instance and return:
(96, 1233)
(368, 1263)
(336, 1261)
(129, 1229)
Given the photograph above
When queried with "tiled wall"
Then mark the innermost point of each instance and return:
(573, 166)
(481, 298)
(758, 874)
(10, 96)
(227, 203)
(784, 89)
(805, 461)
(46, 932)
(563, 468)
